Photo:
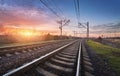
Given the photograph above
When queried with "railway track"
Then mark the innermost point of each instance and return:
(64, 61)
(15, 59)
(8, 51)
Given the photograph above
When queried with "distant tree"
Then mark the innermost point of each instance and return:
(47, 37)
(100, 38)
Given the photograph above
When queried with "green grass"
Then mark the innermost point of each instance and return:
(112, 54)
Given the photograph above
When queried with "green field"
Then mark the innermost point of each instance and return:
(110, 53)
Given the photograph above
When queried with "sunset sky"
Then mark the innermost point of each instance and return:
(103, 15)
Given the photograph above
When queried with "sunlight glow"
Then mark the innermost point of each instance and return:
(27, 33)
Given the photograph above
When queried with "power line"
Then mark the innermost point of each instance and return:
(56, 6)
(62, 22)
(77, 9)
(55, 13)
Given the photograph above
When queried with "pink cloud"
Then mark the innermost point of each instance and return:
(23, 17)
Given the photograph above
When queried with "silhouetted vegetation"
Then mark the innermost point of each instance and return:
(8, 39)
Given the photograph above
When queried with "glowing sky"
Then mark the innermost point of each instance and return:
(33, 14)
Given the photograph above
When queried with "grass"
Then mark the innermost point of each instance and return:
(112, 54)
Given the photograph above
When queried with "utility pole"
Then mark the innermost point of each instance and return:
(74, 33)
(85, 25)
(87, 30)
(60, 27)
(62, 23)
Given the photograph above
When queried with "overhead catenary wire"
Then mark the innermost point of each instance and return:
(54, 12)
(63, 21)
(57, 7)
(77, 9)
(54, 8)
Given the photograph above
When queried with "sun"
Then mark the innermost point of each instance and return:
(27, 33)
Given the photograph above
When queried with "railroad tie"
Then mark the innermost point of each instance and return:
(44, 72)
(59, 67)
(62, 62)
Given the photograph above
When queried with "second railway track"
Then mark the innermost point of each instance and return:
(64, 61)
(24, 48)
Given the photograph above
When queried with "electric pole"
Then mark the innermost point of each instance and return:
(85, 25)
(60, 27)
(62, 23)
(75, 32)
(87, 30)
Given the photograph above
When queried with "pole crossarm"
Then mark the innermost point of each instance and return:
(66, 22)
(82, 25)
(62, 23)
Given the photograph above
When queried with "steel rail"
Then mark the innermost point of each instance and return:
(29, 44)
(19, 69)
(10, 50)
(78, 69)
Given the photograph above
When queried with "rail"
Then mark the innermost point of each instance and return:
(78, 69)
(30, 64)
